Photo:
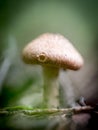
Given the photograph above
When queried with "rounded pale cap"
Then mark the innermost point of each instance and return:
(52, 50)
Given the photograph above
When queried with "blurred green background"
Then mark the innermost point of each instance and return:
(23, 20)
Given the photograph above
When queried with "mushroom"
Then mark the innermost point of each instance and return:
(53, 52)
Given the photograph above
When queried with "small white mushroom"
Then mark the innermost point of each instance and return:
(52, 51)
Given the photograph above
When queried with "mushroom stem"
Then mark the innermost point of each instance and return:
(51, 87)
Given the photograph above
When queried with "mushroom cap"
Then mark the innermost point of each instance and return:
(52, 50)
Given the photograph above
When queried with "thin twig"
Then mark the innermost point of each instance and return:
(45, 112)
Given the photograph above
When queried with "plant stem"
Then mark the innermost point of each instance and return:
(51, 87)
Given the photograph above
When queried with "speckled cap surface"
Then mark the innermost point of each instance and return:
(52, 50)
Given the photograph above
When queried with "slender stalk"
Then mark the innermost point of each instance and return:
(51, 87)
